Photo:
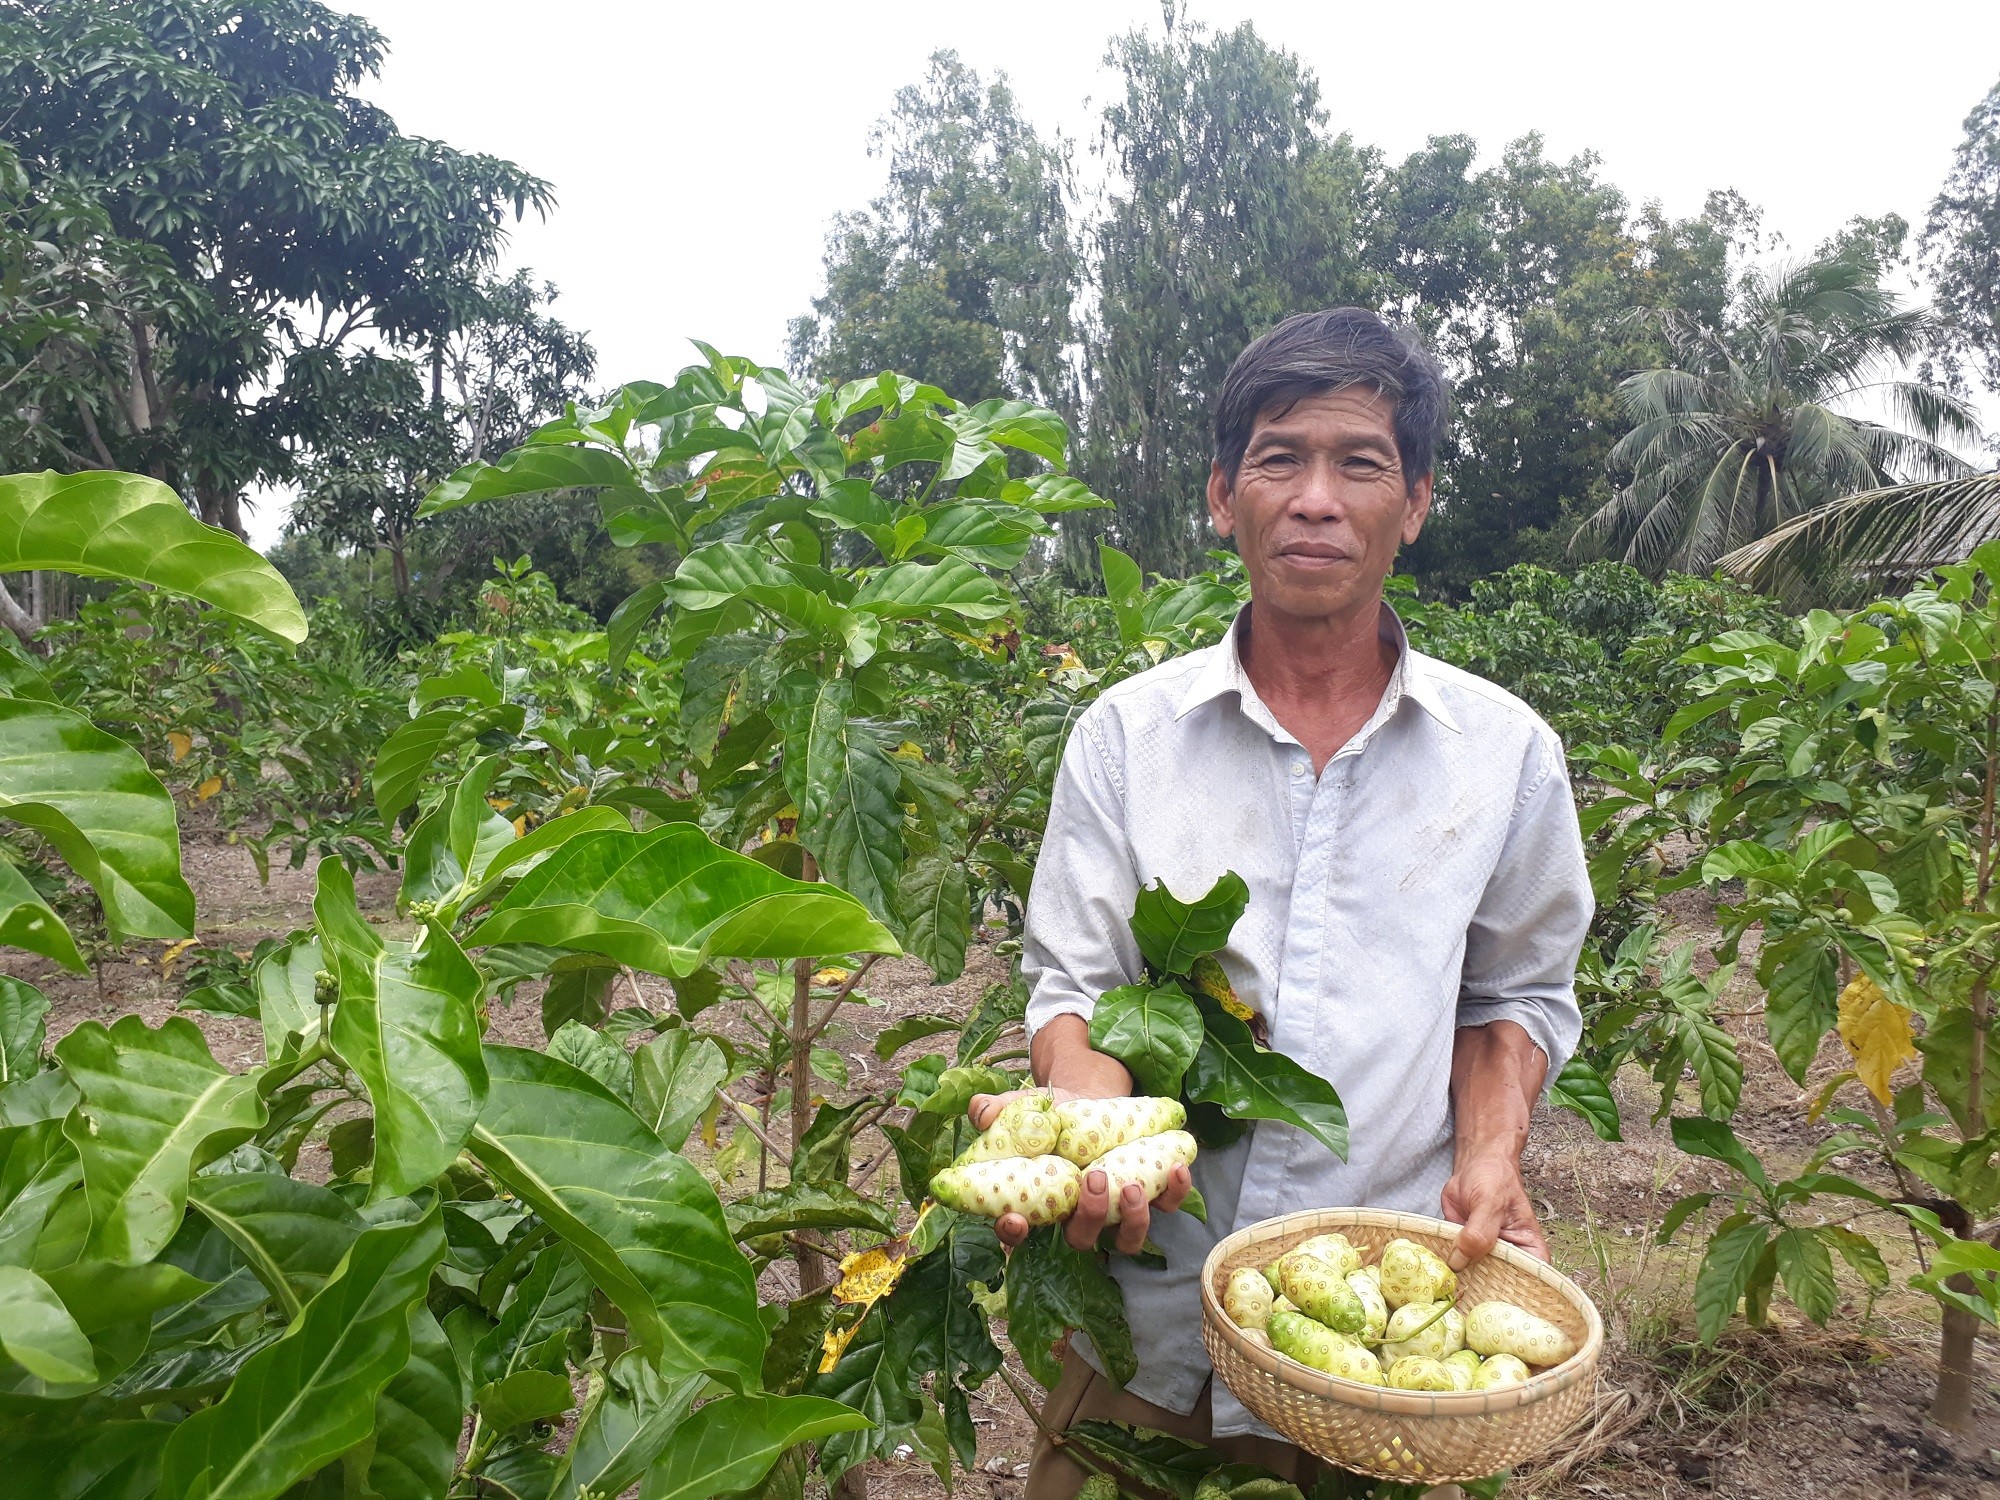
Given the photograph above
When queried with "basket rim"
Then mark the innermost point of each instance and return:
(1581, 1365)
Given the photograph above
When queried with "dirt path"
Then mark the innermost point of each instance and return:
(1792, 1413)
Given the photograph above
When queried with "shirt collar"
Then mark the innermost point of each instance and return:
(1223, 672)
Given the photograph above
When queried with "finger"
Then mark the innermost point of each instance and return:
(1482, 1228)
(1012, 1229)
(1527, 1236)
(1093, 1206)
(1180, 1182)
(1134, 1222)
(985, 1108)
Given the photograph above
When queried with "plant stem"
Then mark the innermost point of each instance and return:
(812, 1270)
(750, 1123)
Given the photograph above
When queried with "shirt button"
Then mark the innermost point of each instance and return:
(1298, 768)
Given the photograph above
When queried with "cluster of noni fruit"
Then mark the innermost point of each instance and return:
(1393, 1323)
(1032, 1159)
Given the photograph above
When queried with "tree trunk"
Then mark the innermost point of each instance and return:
(812, 1268)
(853, 1485)
(18, 619)
(1952, 1405)
(399, 566)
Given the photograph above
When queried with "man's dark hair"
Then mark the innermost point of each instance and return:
(1322, 351)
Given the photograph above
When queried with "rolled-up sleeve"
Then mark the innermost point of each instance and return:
(1522, 946)
(1078, 941)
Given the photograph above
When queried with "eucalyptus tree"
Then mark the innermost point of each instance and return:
(1751, 424)
(236, 219)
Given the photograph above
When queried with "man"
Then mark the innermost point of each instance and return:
(1418, 894)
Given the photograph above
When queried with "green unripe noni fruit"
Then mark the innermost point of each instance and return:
(1148, 1161)
(1417, 1372)
(1091, 1127)
(1429, 1329)
(1374, 1311)
(1498, 1370)
(1322, 1293)
(1247, 1299)
(1041, 1189)
(1503, 1328)
(1098, 1487)
(1315, 1345)
(1411, 1273)
(1026, 1127)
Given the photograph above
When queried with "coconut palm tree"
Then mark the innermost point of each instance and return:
(1871, 543)
(1750, 427)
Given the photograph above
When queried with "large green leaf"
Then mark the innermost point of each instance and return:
(517, 858)
(1725, 1272)
(408, 1024)
(1248, 1082)
(1159, 1460)
(93, 797)
(105, 524)
(666, 900)
(630, 1417)
(23, 1028)
(532, 470)
(937, 913)
(807, 1205)
(643, 1221)
(417, 1419)
(286, 982)
(38, 1333)
(1154, 1032)
(937, 1319)
(1173, 933)
(1802, 1004)
(407, 755)
(119, 1461)
(847, 791)
(155, 1105)
(915, 591)
(312, 1395)
(453, 843)
(873, 1378)
(291, 1233)
(674, 1077)
(1808, 1271)
(732, 1441)
(29, 922)
(1582, 1089)
(1051, 1289)
(723, 572)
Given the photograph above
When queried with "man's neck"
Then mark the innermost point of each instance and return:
(1322, 678)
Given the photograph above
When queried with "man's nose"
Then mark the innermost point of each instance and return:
(1319, 495)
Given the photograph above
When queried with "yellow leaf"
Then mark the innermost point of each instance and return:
(835, 1344)
(170, 955)
(180, 744)
(521, 826)
(831, 976)
(1877, 1033)
(870, 1275)
(1210, 979)
(208, 789)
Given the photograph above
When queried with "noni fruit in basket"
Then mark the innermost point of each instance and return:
(1322, 1292)
(1247, 1299)
(1374, 1311)
(1497, 1370)
(1041, 1189)
(1416, 1372)
(1333, 1249)
(1318, 1346)
(1411, 1273)
(1463, 1365)
(1503, 1328)
(1147, 1161)
(1091, 1127)
(1282, 1303)
(1427, 1328)
(1028, 1126)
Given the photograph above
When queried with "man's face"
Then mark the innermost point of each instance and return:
(1319, 505)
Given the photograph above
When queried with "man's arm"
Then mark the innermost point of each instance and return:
(1517, 1013)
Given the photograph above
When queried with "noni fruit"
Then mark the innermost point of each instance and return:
(1258, 1336)
(1374, 1311)
(1091, 1127)
(1322, 1292)
(1426, 1328)
(1463, 1366)
(1410, 1273)
(1315, 1345)
(1247, 1299)
(1147, 1161)
(1333, 1249)
(1416, 1372)
(1026, 1127)
(1498, 1370)
(1282, 1303)
(1503, 1328)
(1041, 1189)
(1098, 1487)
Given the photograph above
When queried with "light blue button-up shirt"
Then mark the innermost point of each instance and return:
(1430, 877)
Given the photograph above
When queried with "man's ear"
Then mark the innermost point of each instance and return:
(1415, 508)
(1222, 500)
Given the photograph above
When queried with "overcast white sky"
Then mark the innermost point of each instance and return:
(698, 151)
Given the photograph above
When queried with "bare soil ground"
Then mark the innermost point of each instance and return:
(1789, 1413)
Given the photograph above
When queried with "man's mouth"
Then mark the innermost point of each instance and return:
(1312, 554)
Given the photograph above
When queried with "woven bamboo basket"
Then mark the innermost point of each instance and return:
(1412, 1436)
